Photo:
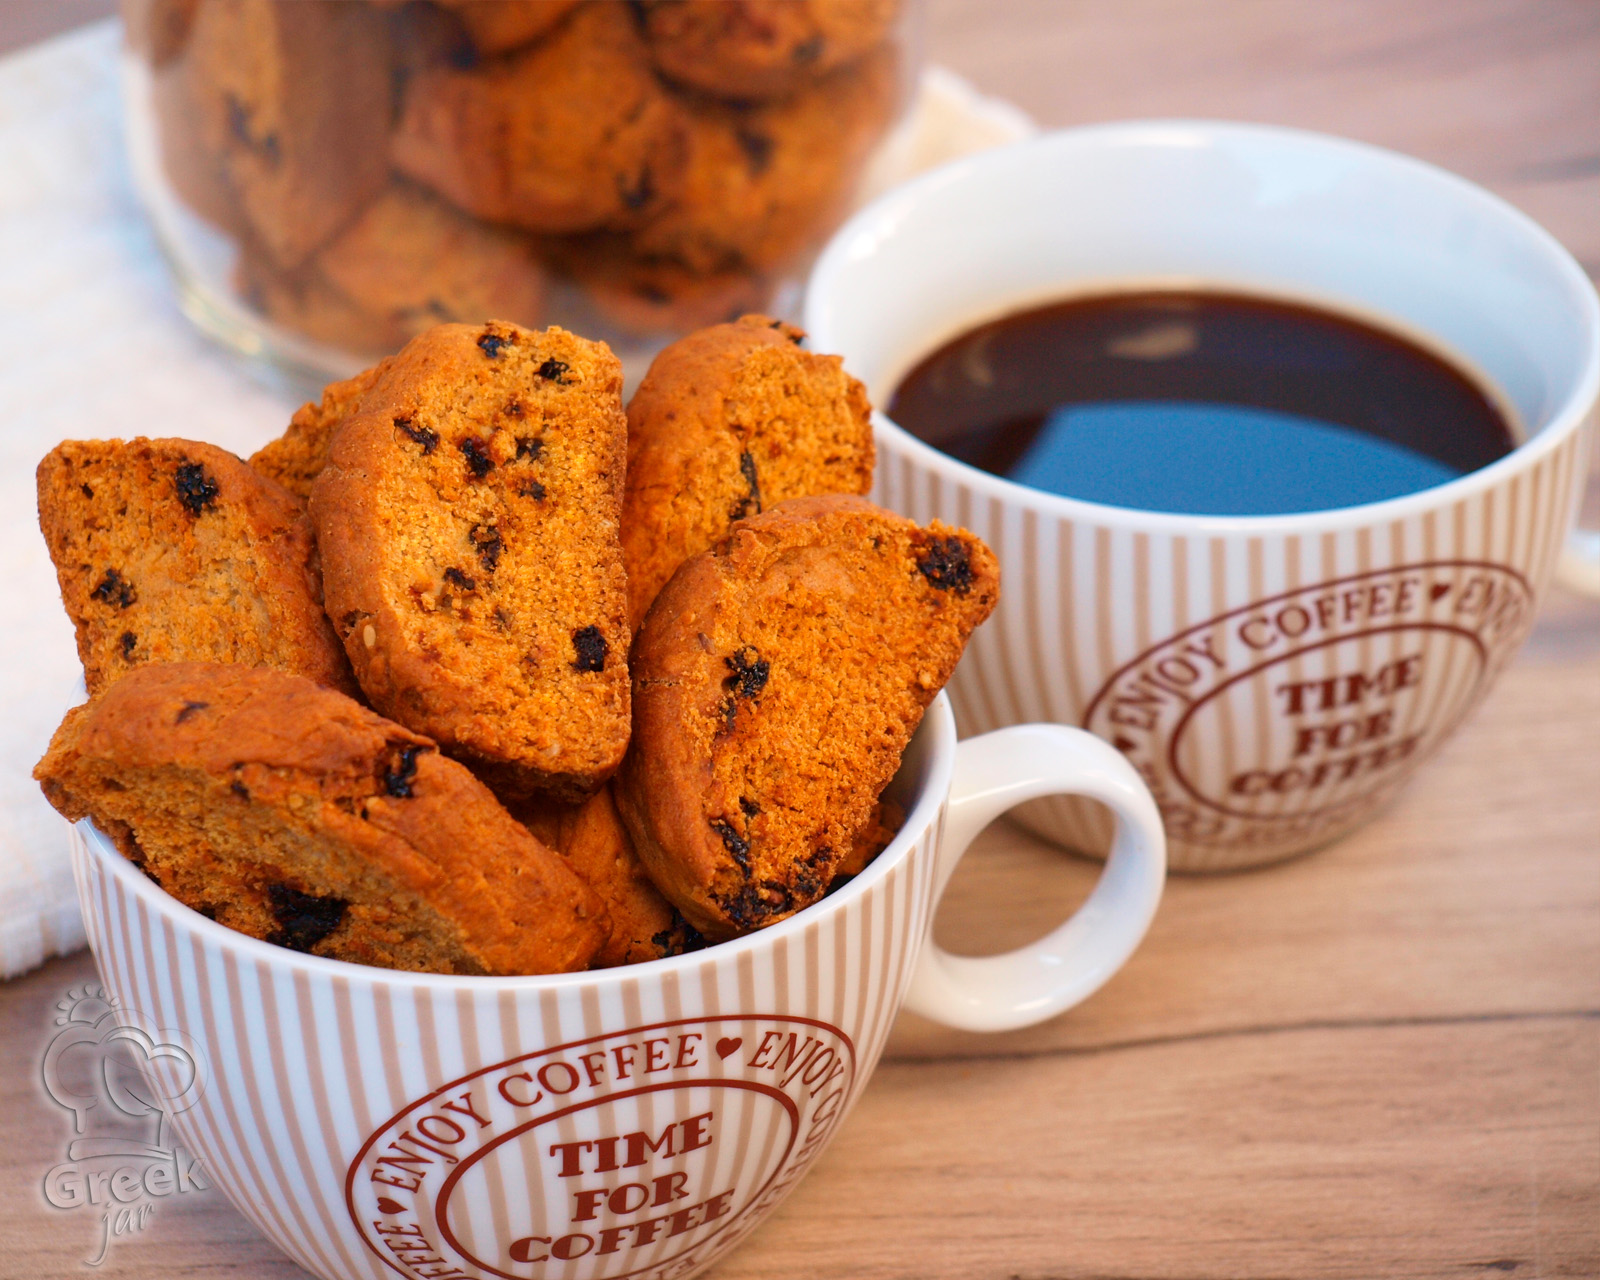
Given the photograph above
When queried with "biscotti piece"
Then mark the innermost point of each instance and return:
(294, 100)
(777, 680)
(591, 837)
(751, 49)
(729, 421)
(570, 134)
(406, 263)
(882, 825)
(413, 261)
(192, 166)
(657, 297)
(171, 550)
(498, 26)
(293, 814)
(467, 519)
(765, 181)
(305, 301)
(295, 457)
(157, 30)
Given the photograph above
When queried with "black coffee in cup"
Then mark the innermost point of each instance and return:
(1201, 403)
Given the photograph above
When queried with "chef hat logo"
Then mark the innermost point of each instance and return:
(106, 1061)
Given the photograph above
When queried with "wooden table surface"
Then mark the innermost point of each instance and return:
(1382, 1060)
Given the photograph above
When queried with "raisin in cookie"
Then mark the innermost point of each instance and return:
(777, 680)
(291, 813)
(728, 421)
(168, 550)
(591, 837)
(571, 134)
(467, 519)
(752, 49)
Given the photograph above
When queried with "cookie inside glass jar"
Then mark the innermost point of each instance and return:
(330, 179)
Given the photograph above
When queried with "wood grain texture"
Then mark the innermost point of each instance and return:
(1504, 92)
(1382, 1059)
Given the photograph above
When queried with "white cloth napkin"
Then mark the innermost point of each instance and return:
(92, 345)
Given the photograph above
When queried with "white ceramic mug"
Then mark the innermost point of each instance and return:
(1273, 678)
(636, 1121)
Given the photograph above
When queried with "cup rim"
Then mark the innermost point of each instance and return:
(938, 722)
(875, 223)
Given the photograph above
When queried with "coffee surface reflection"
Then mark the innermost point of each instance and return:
(1202, 404)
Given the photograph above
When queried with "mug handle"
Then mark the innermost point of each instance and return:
(993, 773)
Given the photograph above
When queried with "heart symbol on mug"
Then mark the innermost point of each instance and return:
(1438, 589)
(728, 1044)
(386, 1205)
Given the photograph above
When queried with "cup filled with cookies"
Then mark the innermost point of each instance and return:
(530, 809)
(329, 178)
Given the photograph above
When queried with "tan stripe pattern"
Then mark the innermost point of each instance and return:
(1272, 690)
(375, 1124)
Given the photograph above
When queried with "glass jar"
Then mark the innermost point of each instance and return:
(329, 177)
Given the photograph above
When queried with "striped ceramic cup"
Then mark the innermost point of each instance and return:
(626, 1122)
(1274, 679)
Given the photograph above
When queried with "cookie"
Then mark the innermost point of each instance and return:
(157, 30)
(170, 550)
(294, 101)
(639, 297)
(765, 182)
(193, 169)
(777, 679)
(467, 519)
(728, 421)
(295, 457)
(306, 303)
(753, 49)
(571, 134)
(412, 261)
(498, 26)
(591, 837)
(422, 36)
(881, 826)
(407, 262)
(291, 813)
